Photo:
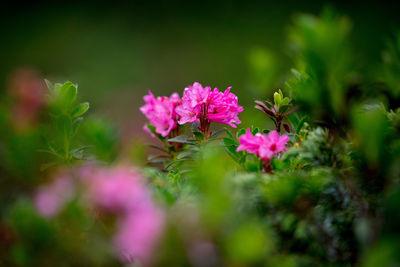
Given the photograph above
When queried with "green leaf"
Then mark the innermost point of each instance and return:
(153, 157)
(79, 110)
(285, 101)
(252, 163)
(229, 141)
(45, 166)
(68, 92)
(64, 125)
(229, 134)
(151, 128)
(176, 162)
(56, 89)
(255, 130)
(181, 139)
(216, 133)
(185, 154)
(54, 153)
(49, 85)
(76, 124)
(277, 99)
(300, 124)
(240, 132)
(198, 135)
(158, 148)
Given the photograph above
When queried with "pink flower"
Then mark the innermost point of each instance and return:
(50, 199)
(117, 189)
(200, 104)
(121, 191)
(272, 144)
(249, 142)
(160, 112)
(28, 92)
(264, 146)
(138, 234)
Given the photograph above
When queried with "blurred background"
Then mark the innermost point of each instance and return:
(117, 50)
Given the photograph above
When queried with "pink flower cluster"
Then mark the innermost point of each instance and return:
(117, 190)
(51, 198)
(120, 190)
(160, 112)
(264, 146)
(200, 102)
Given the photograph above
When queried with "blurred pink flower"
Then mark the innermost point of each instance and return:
(28, 92)
(138, 234)
(120, 190)
(200, 104)
(117, 189)
(160, 112)
(264, 146)
(50, 199)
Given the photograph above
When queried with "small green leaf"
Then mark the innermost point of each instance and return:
(229, 134)
(198, 135)
(216, 133)
(151, 128)
(157, 147)
(153, 157)
(255, 130)
(240, 132)
(277, 99)
(45, 166)
(181, 139)
(229, 142)
(185, 154)
(68, 92)
(76, 124)
(49, 85)
(79, 110)
(300, 124)
(285, 101)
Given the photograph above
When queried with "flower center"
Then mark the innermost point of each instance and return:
(272, 147)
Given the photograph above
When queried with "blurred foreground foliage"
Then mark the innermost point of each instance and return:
(330, 200)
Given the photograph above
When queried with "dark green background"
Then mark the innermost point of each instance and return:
(116, 50)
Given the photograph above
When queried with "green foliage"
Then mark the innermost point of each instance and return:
(324, 64)
(66, 118)
(390, 67)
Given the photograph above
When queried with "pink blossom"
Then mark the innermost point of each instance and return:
(249, 142)
(117, 189)
(160, 112)
(28, 92)
(50, 199)
(264, 146)
(200, 104)
(121, 191)
(138, 234)
(272, 144)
